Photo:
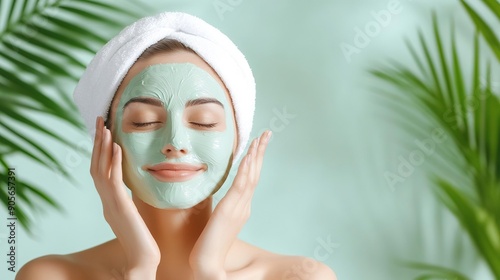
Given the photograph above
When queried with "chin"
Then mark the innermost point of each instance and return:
(166, 205)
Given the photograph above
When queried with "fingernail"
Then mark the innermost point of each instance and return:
(268, 136)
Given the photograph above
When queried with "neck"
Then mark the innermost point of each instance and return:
(175, 231)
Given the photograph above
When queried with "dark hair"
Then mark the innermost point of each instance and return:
(163, 46)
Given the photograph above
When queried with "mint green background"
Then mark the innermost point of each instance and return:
(323, 176)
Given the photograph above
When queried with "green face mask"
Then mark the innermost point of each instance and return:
(177, 86)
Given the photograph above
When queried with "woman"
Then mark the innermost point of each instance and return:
(175, 125)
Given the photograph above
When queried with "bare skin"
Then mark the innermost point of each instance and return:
(195, 243)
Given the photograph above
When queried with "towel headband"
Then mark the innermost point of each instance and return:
(99, 82)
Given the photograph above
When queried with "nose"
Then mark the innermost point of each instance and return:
(175, 137)
(172, 152)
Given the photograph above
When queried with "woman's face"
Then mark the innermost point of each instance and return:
(173, 118)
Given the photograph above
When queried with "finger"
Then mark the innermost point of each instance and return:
(261, 149)
(116, 165)
(106, 150)
(96, 150)
(117, 176)
(236, 190)
(252, 170)
(252, 151)
(254, 175)
(239, 192)
(241, 176)
(256, 165)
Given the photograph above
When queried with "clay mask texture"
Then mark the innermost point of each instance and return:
(176, 85)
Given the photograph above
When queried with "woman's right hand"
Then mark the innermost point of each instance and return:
(141, 251)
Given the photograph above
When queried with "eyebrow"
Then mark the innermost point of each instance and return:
(145, 100)
(204, 100)
(158, 103)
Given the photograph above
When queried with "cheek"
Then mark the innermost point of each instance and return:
(142, 148)
(213, 148)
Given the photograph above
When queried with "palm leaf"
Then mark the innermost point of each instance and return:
(37, 45)
(483, 26)
(478, 223)
(470, 115)
(436, 272)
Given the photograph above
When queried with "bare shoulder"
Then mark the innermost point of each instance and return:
(275, 266)
(297, 267)
(94, 263)
(51, 267)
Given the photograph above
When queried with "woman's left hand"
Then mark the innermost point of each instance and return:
(210, 251)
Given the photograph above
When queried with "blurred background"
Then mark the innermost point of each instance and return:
(344, 180)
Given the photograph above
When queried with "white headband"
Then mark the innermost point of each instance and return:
(99, 82)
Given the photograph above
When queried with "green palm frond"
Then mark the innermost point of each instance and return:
(464, 103)
(41, 45)
(436, 272)
(486, 30)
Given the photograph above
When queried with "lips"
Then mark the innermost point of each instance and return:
(175, 172)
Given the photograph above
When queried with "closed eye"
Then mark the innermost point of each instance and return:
(137, 124)
(207, 125)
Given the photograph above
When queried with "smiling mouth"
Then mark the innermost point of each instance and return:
(175, 172)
